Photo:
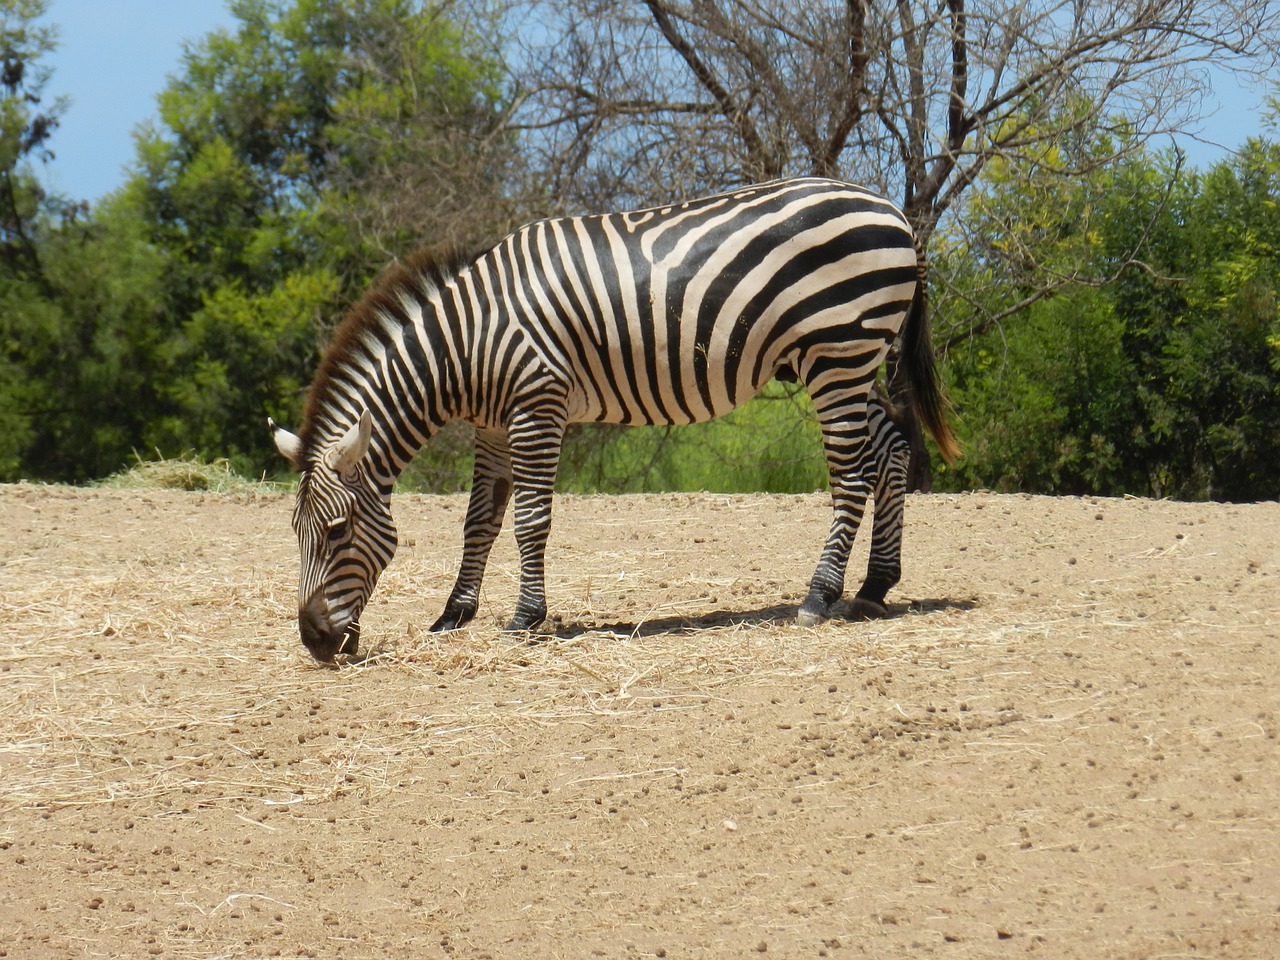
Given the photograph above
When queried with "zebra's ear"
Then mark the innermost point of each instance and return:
(347, 453)
(289, 444)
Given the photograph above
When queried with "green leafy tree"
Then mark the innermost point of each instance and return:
(278, 181)
(92, 347)
(1211, 370)
(23, 131)
(1164, 380)
(293, 156)
(26, 124)
(47, 348)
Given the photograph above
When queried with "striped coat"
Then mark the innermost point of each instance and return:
(674, 314)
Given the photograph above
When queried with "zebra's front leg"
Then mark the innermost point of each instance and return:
(884, 567)
(535, 456)
(490, 491)
(849, 465)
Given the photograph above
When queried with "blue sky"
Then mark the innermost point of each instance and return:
(114, 57)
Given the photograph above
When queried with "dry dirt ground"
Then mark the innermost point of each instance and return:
(1063, 743)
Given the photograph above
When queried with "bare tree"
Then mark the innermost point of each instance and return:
(650, 98)
(630, 102)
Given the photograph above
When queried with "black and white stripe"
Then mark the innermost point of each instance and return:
(672, 315)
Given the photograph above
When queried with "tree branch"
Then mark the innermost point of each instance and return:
(732, 111)
(851, 110)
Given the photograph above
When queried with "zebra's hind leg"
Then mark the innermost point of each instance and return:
(536, 438)
(884, 568)
(490, 491)
(842, 409)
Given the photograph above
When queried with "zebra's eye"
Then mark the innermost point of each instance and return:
(339, 531)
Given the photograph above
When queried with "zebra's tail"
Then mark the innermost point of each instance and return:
(927, 395)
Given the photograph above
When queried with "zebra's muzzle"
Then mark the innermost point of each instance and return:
(319, 635)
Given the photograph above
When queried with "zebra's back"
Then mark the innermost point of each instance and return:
(678, 314)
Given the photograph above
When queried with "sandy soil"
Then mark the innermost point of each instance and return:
(1062, 744)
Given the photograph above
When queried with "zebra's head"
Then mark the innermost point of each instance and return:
(344, 527)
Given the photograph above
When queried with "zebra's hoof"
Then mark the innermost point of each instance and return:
(808, 618)
(452, 619)
(863, 609)
(815, 609)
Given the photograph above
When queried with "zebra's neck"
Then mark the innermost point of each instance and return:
(399, 357)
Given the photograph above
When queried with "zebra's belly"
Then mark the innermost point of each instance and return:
(660, 400)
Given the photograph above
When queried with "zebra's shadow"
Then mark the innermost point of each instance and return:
(776, 615)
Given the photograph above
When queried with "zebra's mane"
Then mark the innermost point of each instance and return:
(413, 278)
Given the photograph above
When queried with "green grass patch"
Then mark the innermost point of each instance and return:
(771, 445)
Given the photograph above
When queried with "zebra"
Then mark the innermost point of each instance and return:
(668, 315)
